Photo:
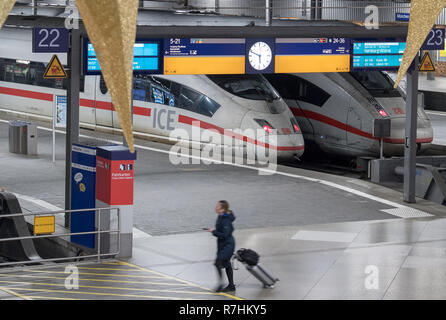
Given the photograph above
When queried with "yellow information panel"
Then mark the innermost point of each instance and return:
(44, 225)
(204, 65)
(312, 63)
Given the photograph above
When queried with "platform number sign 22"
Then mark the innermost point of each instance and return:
(48, 40)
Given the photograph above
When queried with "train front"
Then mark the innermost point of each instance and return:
(389, 103)
(268, 126)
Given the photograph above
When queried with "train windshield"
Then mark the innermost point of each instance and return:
(252, 87)
(377, 83)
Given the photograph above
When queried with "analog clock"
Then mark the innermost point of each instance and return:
(260, 56)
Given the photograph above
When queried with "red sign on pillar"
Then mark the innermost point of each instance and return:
(114, 175)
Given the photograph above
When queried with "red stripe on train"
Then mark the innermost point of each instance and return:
(206, 125)
(143, 112)
(26, 94)
(343, 126)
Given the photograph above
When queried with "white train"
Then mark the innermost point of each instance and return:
(161, 103)
(336, 111)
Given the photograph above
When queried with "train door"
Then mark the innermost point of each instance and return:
(103, 105)
(87, 111)
(353, 122)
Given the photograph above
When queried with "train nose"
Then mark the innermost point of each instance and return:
(395, 143)
(283, 147)
(275, 135)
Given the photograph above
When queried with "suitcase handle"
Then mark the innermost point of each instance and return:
(233, 261)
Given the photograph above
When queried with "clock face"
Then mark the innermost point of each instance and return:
(260, 56)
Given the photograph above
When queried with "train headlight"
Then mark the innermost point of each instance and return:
(265, 125)
(383, 113)
(295, 125)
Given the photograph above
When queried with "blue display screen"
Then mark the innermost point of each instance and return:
(379, 47)
(147, 58)
(377, 55)
(377, 61)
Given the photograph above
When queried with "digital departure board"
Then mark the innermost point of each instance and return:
(295, 55)
(377, 55)
(204, 56)
(147, 58)
(379, 47)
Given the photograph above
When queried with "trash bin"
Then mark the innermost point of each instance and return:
(22, 137)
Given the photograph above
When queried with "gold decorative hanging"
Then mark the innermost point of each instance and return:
(423, 15)
(111, 28)
(5, 8)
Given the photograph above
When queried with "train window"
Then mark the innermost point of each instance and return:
(166, 84)
(189, 99)
(140, 89)
(249, 86)
(207, 107)
(310, 93)
(285, 84)
(160, 91)
(31, 73)
(377, 83)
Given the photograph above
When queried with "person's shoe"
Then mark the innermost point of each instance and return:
(219, 288)
(229, 288)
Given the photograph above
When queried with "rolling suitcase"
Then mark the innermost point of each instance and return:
(250, 260)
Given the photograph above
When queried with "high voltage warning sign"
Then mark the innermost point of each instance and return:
(426, 64)
(55, 69)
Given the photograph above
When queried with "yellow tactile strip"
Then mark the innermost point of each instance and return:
(107, 280)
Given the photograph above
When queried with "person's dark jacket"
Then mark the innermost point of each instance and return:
(225, 240)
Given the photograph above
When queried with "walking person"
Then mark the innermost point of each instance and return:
(225, 244)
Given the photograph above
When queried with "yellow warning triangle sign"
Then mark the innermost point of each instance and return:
(426, 64)
(55, 69)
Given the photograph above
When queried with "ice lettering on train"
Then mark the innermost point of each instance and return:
(163, 119)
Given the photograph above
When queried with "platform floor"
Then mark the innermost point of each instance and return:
(104, 281)
(390, 259)
(316, 232)
(437, 85)
(324, 261)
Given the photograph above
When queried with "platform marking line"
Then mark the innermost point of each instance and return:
(104, 294)
(185, 281)
(110, 288)
(97, 274)
(94, 280)
(51, 298)
(14, 293)
(321, 181)
(111, 269)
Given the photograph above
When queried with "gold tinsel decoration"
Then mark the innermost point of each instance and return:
(111, 27)
(5, 8)
(423, 15)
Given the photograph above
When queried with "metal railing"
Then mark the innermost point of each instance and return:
(98, 232)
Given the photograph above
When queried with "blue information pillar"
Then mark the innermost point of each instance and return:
(83, 191)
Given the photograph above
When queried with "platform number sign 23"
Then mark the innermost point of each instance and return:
(435, 40)
(47, 40)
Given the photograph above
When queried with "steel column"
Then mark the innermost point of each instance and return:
(268, 12)
(72, 136)
(410, 151)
